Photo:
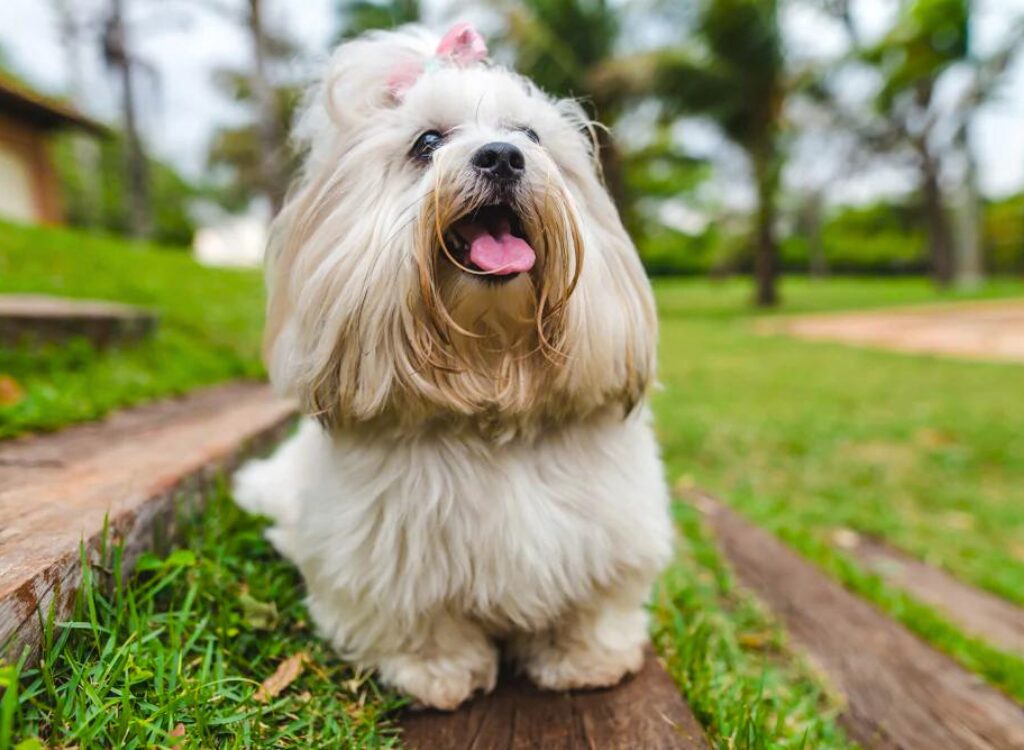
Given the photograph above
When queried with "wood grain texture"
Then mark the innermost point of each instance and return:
(646, 711)
(900, 692)
(30, 318)
(977, 612)
(135, 469)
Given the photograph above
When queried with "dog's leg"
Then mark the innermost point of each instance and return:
(452, 660)
(595, 645)
(272, 486)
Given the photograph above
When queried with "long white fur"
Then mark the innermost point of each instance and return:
(495, 491)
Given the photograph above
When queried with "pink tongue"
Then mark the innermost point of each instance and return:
(501, 254)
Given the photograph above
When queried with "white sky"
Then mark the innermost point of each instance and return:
(184, 108)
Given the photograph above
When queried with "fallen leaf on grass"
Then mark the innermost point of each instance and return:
(846, 538)
(757, 641)
(932, 438)
(959, 520)
(32, 743)
(178, 731)
(285, 674)
(11, 391)
(258, 615)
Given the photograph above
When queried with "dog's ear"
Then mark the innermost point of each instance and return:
(616, 347)
(365, 76)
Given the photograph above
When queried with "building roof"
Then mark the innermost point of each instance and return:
(20, 102)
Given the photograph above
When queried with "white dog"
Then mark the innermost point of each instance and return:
(455, 303)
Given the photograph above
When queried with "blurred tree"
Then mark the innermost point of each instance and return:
(95, 197)
(734, 75)
(355, 17)
(258, 153)
(272, 136)
(929, 39)
(84, 148)
(119, 56)
(558, 44)
(241, 149)
(987, 74)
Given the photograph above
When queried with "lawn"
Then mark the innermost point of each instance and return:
(209, 330)
(805, 438)
(811, 438)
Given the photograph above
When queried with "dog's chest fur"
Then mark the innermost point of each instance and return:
(511, 535)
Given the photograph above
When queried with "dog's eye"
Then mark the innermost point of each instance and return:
(530, 133)
(426, 144)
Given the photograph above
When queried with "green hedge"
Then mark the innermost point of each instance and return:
(882, 239)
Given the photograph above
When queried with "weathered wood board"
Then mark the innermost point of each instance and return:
(977, 612)
(900, 692)
(34, 318)
(57, 490)
(644, 712)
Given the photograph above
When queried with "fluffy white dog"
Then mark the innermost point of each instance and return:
(455, 303)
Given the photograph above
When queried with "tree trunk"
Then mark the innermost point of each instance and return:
(135, 165)
(968, 269)
(812, 222)
(271, 139)
(766, 250)
(940, 250)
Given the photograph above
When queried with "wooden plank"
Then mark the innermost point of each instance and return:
(32, 318)
(900, 692)
(646, 711)
(977, 612)
(135, 468)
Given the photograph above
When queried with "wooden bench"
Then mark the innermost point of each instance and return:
(900, 692)
(645, 712)
(29, 318)
(131, 471)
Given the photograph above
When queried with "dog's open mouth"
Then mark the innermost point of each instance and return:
(491, 241)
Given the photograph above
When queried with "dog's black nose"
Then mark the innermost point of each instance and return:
(500, 161)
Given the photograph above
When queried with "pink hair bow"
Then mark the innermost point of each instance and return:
(462, 46)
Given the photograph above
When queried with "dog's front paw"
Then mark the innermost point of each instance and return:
(442, 682)
(579, 666)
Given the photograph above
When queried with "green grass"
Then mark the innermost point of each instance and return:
(209, 330)
(189, 637)
(731, 660)
(808, 438)
(804, 438)
(188, 640)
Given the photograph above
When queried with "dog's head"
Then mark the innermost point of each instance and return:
(450, 251)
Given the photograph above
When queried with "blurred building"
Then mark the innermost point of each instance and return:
(234, 242)
(29, 189)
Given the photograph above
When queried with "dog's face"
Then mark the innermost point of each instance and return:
(451, 252)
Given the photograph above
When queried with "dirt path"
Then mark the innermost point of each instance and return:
(992, 331)
(900, 692)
